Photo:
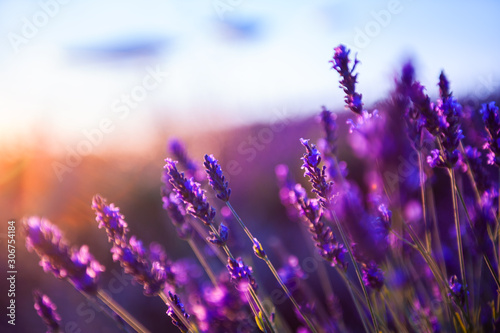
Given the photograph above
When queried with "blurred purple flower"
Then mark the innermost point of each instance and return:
(373, 276)
(76, 265)
(221, 239)
(491, 119)
(46, 309)
(175, 210)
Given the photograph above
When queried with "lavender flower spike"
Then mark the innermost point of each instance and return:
(491, 119)
(171, 313)
(340, 63)
(175, 209)
(191, 193)
(317, 176)
(216, 178)
(109, 217)
(241, 273)
(47, 311)
(76, 265)
(136, 262)
(373, 276)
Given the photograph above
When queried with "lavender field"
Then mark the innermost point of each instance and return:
(217, 172)
(380, 219)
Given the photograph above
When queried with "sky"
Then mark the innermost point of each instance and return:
(70, 68)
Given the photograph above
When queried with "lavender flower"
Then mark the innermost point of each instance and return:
(109, 217)
(175, 210)
(47, 311)
(220, 239)
(191, 193)
(457, 291)
(76, 265)
(481, 177)
(491, 119)
(422, 104)
(136, 262)
(348, 80)
(176, 302)
(179, 152)
(241, 273)
(317, 176)
(258, 250)
(216, 178)
(330, 128)
(325, 241)
(373, 276)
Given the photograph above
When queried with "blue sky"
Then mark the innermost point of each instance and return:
(229, 62)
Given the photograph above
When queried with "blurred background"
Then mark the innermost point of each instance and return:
(90, 93)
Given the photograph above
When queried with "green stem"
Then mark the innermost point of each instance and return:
(121, 312)
(459, 240)
(203, 261)
(192, 328)
(273, 270)
(422, 194)
(356, 268)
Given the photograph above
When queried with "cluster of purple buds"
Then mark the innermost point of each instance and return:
(219, 239)
(177, 213)
(325, 241)
(216, 178)
(491, 119)
(191, 193)
(317, 176)
(476, 163)
(330, 128)
(179, 152)
(176, 302)
(109, 217)
(65, 262)
(258, 249)
(373, 276)
(450, 132)
(130, 253)
(457, 291)
(47, 311)
(348, 81)
(241, 273)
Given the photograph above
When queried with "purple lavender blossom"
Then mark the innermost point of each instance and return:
(373, 276)
(109, 217)
(157, 254)
(258, 250)
(325, 241)
(46, 309)
(422, 104)
(317, 176)
(177, 213)
(348, 81)
(176, 302)
(330, 127)
(444, 87)
(216, 178)
(457, 291)
(179, 152)
(491, 119)
(220, 239)
(241, 273)
(76, 265)
(136, 262)
(477, 167)
(191, 193)
(450, 132)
